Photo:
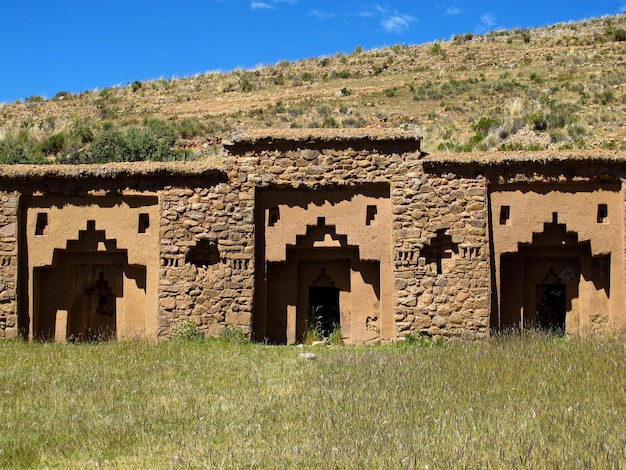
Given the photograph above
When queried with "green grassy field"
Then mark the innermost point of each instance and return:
(530, 402)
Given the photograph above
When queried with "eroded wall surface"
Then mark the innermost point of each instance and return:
(207, 257)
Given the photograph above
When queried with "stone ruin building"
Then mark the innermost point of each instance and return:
(356, 228)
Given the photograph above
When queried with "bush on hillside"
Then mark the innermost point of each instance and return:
(135, 145)
(15, 150)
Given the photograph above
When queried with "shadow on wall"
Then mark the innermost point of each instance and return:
(320, 257)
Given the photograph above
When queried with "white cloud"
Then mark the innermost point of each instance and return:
(260, 6)
(392, 21)
(321, 15)
(397, 23)
(487, 22)
(270, 4)
(453, 10)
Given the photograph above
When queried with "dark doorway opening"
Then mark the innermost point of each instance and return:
(551, 306)
(98, 310)
(324, 309)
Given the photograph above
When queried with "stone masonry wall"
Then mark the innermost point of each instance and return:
(9, 204)
(453, 303)
(219, 292)
(207, 269)
(207, 231)
(451, 299)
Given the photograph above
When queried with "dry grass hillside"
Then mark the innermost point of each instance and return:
(556, 87)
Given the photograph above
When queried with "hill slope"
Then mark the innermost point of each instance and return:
(557, 87)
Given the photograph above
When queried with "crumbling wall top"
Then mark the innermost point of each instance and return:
(108, 170)
(358, 138)
(497, 158)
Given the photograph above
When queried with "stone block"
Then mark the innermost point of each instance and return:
(238, 318)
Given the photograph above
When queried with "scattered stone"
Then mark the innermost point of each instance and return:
(308, 356)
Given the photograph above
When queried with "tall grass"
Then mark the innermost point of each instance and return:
(532, 402)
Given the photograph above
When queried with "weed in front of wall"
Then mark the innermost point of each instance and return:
(234, 334)
(186, 331)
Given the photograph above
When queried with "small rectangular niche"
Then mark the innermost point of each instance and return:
(91, 225)
(41, 226)
(144, 223)
(321, 221)
(505, 215)
(603, 213)
(370, 216)
(273, 216)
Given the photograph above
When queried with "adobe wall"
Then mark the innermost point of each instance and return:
(411, 242)
(555, 221)
(71, 242)
(425, 208)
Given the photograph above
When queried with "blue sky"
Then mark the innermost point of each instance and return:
(50, 46)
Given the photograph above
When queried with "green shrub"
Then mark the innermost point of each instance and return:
(83, 134)
(345, 91)
(35, 99)
(21, 149)
(335, 337)
(436, 49)
(330, 122)
(62, 95)
(561, 114)
(616, 34)
(324, 62)
(340, 74)
(189, 128)
(245, 85)
(234, 334)
(428, 91)
(605, 96)
(538, 121)
(151, 143)
(53, 144)
(186, 331)
(323, 110)
(484, 125)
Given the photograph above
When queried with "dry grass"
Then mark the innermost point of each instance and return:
(516, 77)
(512, 402)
